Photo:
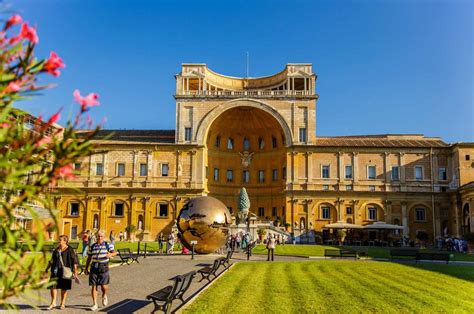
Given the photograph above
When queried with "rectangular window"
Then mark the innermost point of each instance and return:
(395, 173)
(187, 134)
(371, 172)
(74, 209)
(165, 170)
(420, 214)
(283, 173)
(349, 210)
(326, 212)
(230, 143)
(348, 172)
(372, 188)
(274, 212)
(325, 172)
(303, 135)
(163, 210)
(261, 211)
(230, 175)
(120, 170)
(99, 169)
(246, 144)
(143, 170)
(77, 166)
(418, 173)
(261, 176)
(246, 176)
(349, 187)
(216, 174)
(218, 142)
(275, 174)
(325, 187)
(372, 213)
(274, 142)
(443, 176)
(468, 157)
(118, 209)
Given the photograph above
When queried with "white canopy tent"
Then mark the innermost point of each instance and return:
(380, 225)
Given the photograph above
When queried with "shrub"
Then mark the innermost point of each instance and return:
(261, 232)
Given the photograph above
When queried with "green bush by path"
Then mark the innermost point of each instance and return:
(318, 250)
(332, 286)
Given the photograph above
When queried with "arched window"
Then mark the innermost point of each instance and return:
(302, 223)
(261, 143)
(230, 143)
(217, 144)
(140, 222)
(96, 221)
(420, 214)
(274, 142)
(246, 143)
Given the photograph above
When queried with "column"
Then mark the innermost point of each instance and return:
(134, 163)
(406, 229)
(457, 222)
(179, 170)
(337, 203)
(87, 213)
(402, 167)
(435, 167)
(132, 213)
(193, 166)
(105, 162)
(147, 216)
(355, 208)
(387, 167)
(309, 167)
(340, 167)
(89, 172)
(388, 211)
(355, 167)
(102, 213)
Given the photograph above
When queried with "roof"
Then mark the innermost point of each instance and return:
(148, 136)
(383, 140)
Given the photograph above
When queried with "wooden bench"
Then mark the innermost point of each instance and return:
(341, 253)
(403, 253)
(361, 252)
(127, 257)
(209, 271)
(332, 253)
(226, 260)
(433, 256)
(163, 298)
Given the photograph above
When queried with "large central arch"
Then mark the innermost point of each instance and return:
(206, 122)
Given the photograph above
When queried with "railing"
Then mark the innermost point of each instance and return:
(240, 93)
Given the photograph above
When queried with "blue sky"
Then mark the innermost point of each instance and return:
(383, 66)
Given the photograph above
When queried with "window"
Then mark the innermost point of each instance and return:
(118, 209)
(372, 188)
(261, 143)
(274, 142)
(442, 174)
(246, 176)
(74, 209)
(187, 134)
(349, 187)
(216, 174)
(349, 210)
(230, 143)
(283, 173)
(348, 172)
(395, 173)
(468, 157)
(303, 135)
(371, 172)
(99, 169)
(275, 174)
(274, 211)
(261, 176)
(325, 172)
(162, 210)
(261, 211)
(143, 170)
(325, 187)
(120, 170)
(165, 170)
(326, 212)
(418, 173)
(218, 141)
(230, 175)
(372, 213)
(420, 214)
(246, 144)
(77, 166)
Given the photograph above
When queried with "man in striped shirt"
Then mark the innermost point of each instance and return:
(99, 254)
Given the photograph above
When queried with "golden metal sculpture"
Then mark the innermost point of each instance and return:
(205, 220)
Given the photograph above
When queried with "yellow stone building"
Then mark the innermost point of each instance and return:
(260, 133)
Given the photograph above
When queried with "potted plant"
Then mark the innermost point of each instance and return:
(287, 226)
(469, 237)
(131, 231)
(261, 233)
(341, 235)
(423, 237)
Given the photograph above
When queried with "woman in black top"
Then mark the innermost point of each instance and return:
(69, 259)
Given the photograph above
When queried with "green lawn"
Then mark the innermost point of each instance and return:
(332, 286)
(318, 250)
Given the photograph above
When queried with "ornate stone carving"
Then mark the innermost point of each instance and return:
(246, 158)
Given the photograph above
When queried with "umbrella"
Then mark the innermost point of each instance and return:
(342, 225)
(380, 225)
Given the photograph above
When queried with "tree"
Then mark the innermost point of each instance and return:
(34, 155)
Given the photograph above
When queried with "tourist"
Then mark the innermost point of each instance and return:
(99, 255)
(161, 241)
(112, 237)
(121, 236)
(270, 247)
(93, 237)
(85, 242)
(170, 243)
(63, 266)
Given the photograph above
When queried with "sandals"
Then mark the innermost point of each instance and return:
(51, 307)
(62, 307)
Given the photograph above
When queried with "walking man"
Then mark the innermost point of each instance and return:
(98, 257)
(270, 247)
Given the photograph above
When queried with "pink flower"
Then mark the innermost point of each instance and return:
(4, 125)
(54, 118)
(66, 171)
(44, 141)
(13, 20)
(53, 63)
(29, 33)
(14, 40)
(12, 87)
(88, 101)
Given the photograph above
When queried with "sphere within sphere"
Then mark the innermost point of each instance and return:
(205, 220)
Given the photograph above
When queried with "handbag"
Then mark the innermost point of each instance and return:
(67, 272)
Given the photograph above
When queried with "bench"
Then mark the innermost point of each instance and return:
(433, 257)
(73, 245)
(127, 257)
(340, 253)
(403, 253)
(163, 298)
(209, 271)
(226, 260)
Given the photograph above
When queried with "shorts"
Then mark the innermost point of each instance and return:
(99, 279)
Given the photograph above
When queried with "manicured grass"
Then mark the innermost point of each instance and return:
(333, 286)
(318, 250)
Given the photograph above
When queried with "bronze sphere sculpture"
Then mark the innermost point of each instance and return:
(205, 220)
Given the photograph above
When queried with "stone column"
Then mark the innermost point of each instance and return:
(355, 167)
(294, 168)
(147, 216)
(179, 170)
(102, 212)
(388, 211)
(387, 167)
(134, 163)
(402, 168)
(406, 229)
(355, 210)
(193, 166)
(87, 213)
(340, 167)
(132, 213)
(309, 168)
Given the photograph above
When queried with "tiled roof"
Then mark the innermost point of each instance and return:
(386, 140)
(149, 136)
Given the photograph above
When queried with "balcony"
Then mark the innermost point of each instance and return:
(246, 93)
